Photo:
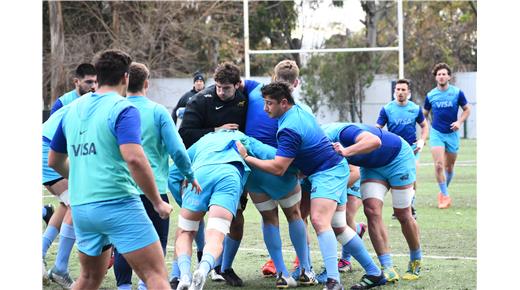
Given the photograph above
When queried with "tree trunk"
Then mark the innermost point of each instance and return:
(58, 75)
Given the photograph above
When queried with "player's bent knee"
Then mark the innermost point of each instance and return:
(188, 225)
(373, 190)
(218, 224)
(291, 200)
(339, 219)
(402, 198)
(266, 205)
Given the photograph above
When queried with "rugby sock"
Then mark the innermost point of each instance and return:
(141, 285)
(67, 239)
(358, 229)
(199, 238)
(444, 188)
(184, 262)
(449, 176)
(51, 232)
(218, 262)
(175, 270)
(299, 241)
(273, 243)
(124, 287)
(230, 250)
(415, 254)
(345, 254)
(356, 247)
(385, 260)
(327, 242)
(309, 255)
(206, 263)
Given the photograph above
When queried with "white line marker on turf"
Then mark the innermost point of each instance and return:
(372, 254)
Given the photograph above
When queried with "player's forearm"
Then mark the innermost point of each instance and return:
(59, 162)
(141, 171)
(143, 176)
(425, 130)
(363, 147)
(270, 166)
(465, 114)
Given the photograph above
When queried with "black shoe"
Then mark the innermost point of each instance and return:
(232, 278)
(369, 281)
(199, 256)
(50, 212)
(333, 285)
(174, 282)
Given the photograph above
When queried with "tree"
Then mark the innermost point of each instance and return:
(338, 80)
(57, 51)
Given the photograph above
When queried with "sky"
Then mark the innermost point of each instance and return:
(319, 24)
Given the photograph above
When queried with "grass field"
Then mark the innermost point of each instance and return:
(448, 237)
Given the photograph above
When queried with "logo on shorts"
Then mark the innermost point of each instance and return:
(313, 189)
(404, 177)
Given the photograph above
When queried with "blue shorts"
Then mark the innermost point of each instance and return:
(354, 190)
(48, 174)
(331, 183)
(399, 172)
(450, 141)
(122, 222)
(277, 187)
(221, 185)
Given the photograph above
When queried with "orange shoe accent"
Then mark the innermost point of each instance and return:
(445, 202)
(296, 263)
(268, 269)
(439, 198)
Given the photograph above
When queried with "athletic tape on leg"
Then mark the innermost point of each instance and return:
(402, 198)
(219, 224)
(339, 219)
(266, 205)
(64, 197)
(291, 200)
(373, 190)
(345, 237)
(188, 225)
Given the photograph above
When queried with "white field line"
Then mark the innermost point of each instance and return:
(339, 253)
(465, 163)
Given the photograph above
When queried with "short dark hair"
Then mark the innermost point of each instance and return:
(137, 74)
(111, 66)
(227, 73)
(403, 81)
(278, 91)
(440, 66)
(85, 69)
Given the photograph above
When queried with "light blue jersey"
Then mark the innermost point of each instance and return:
(97, 169)
(300, 137)
(401, 120)
(64, 100)
(220, 169)
(444, 106)
(160, 139)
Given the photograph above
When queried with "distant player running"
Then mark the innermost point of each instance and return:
(400, 117)
(444, 102)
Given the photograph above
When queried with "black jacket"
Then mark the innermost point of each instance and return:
(205, 111)
(182, 103)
